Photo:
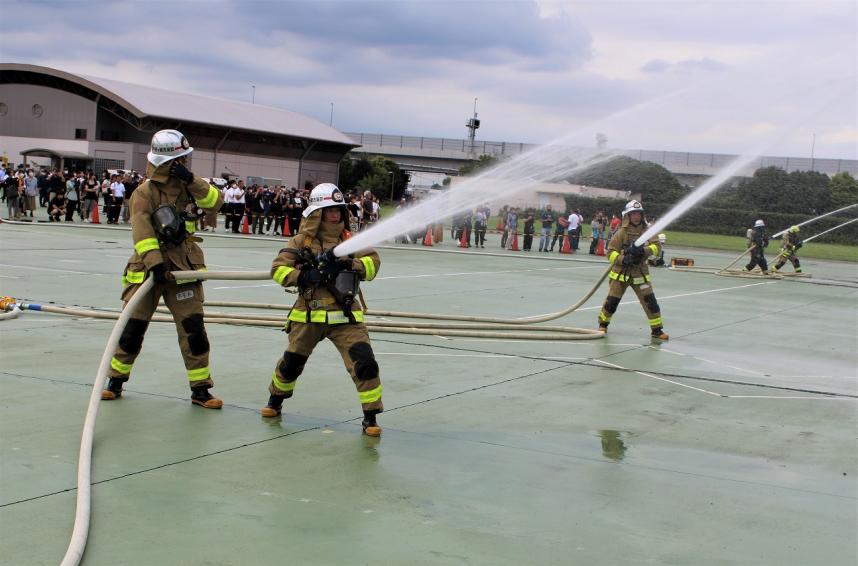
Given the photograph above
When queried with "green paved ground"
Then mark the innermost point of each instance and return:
(734, 444)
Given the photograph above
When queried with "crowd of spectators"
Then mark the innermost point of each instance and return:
(277, 209)
(267, 209)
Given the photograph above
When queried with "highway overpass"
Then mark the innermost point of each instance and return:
(447, 155)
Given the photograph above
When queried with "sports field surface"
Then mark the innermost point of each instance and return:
(733, 443)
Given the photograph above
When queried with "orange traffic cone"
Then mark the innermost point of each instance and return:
(245, 226)
(514, 245)
(600, 250)
(499, 225)
(463, 241)
(94, 218)
(285, 230)
(566, 248)
(427, 239)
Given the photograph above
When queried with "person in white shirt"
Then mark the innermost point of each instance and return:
(117, 192)
(228, 201)
(574, 229)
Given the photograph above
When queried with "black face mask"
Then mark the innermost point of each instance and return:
(169, 226)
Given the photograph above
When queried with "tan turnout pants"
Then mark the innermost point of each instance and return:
(352, 341)
(186, 305)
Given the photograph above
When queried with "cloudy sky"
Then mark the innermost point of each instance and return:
(720, 76)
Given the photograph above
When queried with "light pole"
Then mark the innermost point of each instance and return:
(253, 95)
(391, 185)
(331, 121)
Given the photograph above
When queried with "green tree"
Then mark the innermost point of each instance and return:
(655, 183)
(773, 189)
(844, 190)
(378, 175)
(481, 163)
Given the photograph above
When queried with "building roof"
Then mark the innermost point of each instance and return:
(145, 101)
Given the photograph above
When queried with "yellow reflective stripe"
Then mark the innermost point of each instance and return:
(653, 248)
(329, 317)
(369, 267)
(655, 321)
(198, 374)
(120, 367)
(281, 272)
(638, 281)
(613, 256)
(370, 396)
(618, 276)
(209, 200)
(135, 276)
(648, 277)
(284, 387)
(146, 245)
(604, 318)
(190, 226)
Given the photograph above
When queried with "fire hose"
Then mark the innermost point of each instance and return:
(486, 327)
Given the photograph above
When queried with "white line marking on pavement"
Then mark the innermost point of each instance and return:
(445, 355)
(687, 294)
(820, 398)
(43, 268)
(660, 378)
(485, 272)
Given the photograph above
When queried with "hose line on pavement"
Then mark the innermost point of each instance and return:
(492, 328)
(77, 544)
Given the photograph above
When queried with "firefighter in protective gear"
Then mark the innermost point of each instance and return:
(757, 241)
(163, 237)
(789, 251)
(629, 268)
(319, 312)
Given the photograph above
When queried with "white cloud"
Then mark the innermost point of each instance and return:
(539, 69)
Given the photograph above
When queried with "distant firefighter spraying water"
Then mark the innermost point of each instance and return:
(789, 251)
(327, 306)
(629, 268)
(162, 231)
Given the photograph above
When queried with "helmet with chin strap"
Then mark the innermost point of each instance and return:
(167, 145)
(633, 206)
(323, 196)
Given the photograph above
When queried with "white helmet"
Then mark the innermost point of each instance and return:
(759, 224)
(662, 238)
(632, 206)
(323, 196)
(167, 145)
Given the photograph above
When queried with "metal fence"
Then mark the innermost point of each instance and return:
(675, 161)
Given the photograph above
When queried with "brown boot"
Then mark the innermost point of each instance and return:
(201, 396)
(660, 334)
(113, 389)
(273, 408)
(603, 328)
(370, 427)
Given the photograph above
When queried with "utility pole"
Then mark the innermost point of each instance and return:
(253, 96)
(472, 125)
(391, 185)
(331, 121)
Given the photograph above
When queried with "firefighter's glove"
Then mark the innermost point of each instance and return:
(330, 265)
(160, 274)
(179, 171)
(633, 255)
(308, 277)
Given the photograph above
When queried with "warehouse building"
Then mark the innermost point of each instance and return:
(75, 122)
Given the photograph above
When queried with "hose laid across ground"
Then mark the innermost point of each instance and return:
(77, 544)
(80, 532)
